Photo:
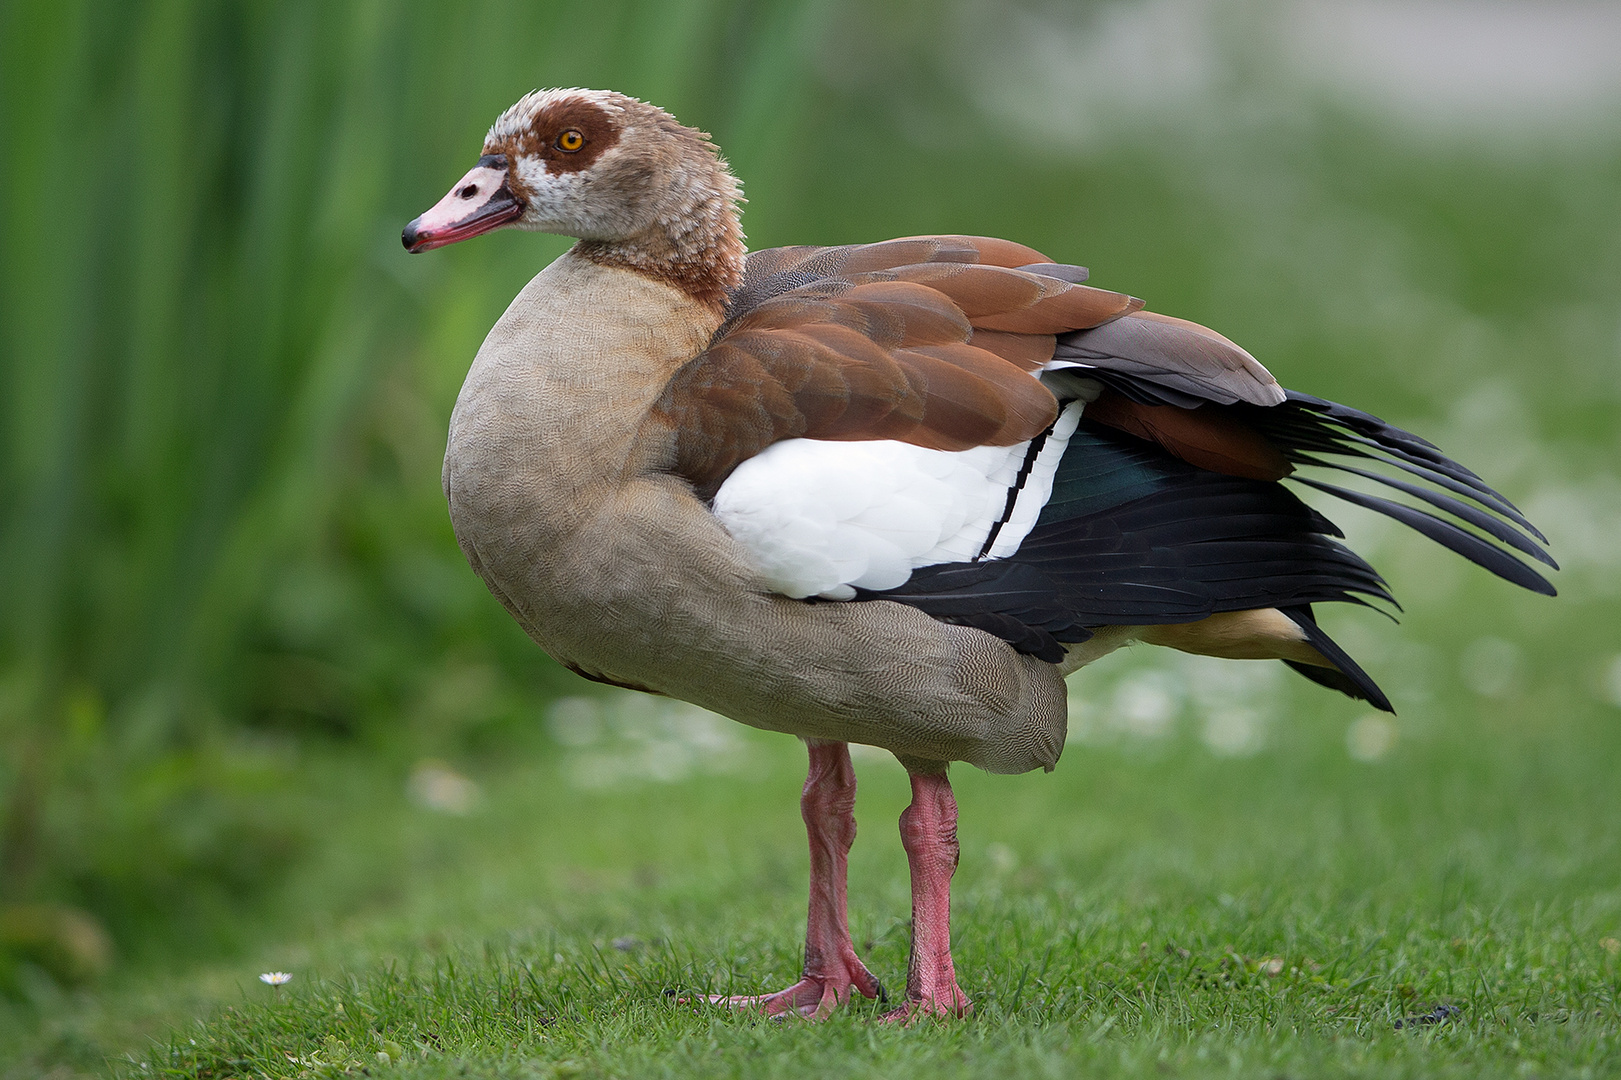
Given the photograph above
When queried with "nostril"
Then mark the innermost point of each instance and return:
(469, 191)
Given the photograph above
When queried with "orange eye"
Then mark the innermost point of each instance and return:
(570, 141)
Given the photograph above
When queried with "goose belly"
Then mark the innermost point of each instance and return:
(824, 519)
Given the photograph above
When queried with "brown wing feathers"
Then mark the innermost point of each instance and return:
(1028, 352)
(1011, 300)
(774, 271)
(929, 340)
(885, 360)
(1206, 437)
(877, 341)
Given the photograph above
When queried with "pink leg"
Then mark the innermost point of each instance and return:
(929, 834)
(832, 968)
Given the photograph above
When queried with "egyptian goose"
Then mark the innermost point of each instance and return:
(886, 493)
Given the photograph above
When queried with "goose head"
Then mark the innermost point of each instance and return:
(637, 188)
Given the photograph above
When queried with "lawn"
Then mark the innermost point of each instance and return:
(1170, 901)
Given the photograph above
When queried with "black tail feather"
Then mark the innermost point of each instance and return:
(1498, 505)
(1446, 467)
(1305, 427)
(1495, 527)
(1347, 675)
(1448, 536)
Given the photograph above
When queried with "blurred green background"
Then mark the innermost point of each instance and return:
(232, 613)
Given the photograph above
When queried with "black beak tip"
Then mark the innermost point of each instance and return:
(408, 237)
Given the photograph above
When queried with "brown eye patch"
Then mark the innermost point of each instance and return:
(568, 135)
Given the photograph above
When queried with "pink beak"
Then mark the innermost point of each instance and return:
(480, 201)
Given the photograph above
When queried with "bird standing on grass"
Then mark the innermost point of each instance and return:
(886, 493)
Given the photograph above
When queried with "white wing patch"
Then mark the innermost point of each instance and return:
(825, 518)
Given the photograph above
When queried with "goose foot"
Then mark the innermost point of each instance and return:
(949, 1003)
(815, 995)
(832, 969)
(929, 834)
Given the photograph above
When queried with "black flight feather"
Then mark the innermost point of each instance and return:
(1448, 536)
(1483, 521)
(1347, 675)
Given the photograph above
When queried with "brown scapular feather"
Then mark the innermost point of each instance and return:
(1076, 307)
(984, 250)
(887, 254)
(899, 313)
(1026, 351)
(1205, 436)
(1028, 406)
(1001, 298)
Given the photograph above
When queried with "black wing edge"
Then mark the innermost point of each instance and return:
(1346, 675)
(1305, 428)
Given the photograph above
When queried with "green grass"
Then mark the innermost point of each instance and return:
(1150, 908)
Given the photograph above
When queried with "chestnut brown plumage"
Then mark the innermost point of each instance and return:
(1207, 438)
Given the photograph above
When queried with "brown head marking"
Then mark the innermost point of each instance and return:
(540, 139)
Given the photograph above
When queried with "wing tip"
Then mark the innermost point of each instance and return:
(1346, 675)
